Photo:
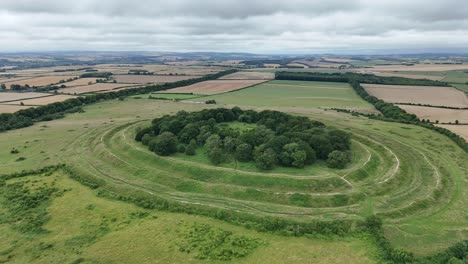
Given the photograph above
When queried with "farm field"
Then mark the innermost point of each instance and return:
(216, 86)
(295, 93)
(11, 96)
(148, 79)
(437, 96)
(399, 165)
(249, 75)
(98, 87)
(40, 81)
(42, 100)
(4, 108)
(409, 75)
(441, 114)
(80, 82)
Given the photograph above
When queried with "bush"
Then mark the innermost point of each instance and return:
(266, 160)
(210, 102)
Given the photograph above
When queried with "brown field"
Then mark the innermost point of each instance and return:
(145, 79)
(461, 130)
(42, 100)
(182, 70)
(40, 81)
(80, 82)
(7, 97)
(441, 114)
(92, 88)
(410, 76)
(438, 96)
(11, 108)
(215, 87)
(421, 67)
(244, 75)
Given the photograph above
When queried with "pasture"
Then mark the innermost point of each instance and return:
(295, 94)
(437, 96)
(215, 86)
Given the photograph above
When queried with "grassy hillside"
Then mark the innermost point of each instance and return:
(415, 179)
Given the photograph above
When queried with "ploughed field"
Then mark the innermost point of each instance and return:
(414, 178)
(431, 95)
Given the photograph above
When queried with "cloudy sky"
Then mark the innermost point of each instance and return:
(259, 26)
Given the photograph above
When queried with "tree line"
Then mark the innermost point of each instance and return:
(27, 117)
(271, 138)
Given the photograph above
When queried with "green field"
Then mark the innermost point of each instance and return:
(294, 94)
(414, 178)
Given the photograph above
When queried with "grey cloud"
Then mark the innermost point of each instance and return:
(228, 25)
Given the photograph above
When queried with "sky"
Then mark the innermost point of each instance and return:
(266, 26)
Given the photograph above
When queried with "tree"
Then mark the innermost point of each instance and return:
(216, 155)
(3, 86)
(293, 155)
(164, 144)
(214, 141)
(266, 160)
(337, 159)
(190, 150)
(244, 152)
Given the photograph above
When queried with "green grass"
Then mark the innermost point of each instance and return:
(294, 94)
(421, 213)
(84, 228)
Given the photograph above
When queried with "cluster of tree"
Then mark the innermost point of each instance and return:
(27, 117)
(140, 72)
(18, 87)
(275, 138)
(356, 77)
(96, 75)
(390, 112)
